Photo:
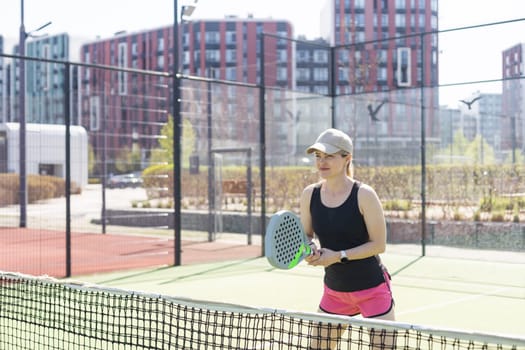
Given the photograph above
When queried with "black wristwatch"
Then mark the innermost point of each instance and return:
(344, 257)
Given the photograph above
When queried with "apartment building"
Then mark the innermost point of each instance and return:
(312, 66)
(128, 103)
(230, 49)
(115, 106)
(45, 95)
(44, 81)
(384, 52)
(513, 99)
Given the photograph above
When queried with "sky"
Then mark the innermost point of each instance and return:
(464, 56)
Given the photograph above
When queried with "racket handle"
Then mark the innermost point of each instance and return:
(304, 250)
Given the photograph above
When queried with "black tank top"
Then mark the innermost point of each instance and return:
(339, 228)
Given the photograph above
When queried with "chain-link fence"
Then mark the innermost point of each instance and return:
(446, 175)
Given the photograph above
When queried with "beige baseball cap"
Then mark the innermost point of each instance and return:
(332, 141)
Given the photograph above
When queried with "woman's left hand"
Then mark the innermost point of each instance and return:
(323, 257)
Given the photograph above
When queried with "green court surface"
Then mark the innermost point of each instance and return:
(455, 293)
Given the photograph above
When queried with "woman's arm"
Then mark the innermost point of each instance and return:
(306, 218)
(306, 221)
(372, 211)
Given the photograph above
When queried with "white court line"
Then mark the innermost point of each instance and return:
(150, 254)
(451, 302)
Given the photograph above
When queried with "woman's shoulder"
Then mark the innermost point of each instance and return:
(366, 191)
(310, 188)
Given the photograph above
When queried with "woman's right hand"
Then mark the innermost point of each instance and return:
(315, 253)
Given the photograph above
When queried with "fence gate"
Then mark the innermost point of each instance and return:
(219, 187)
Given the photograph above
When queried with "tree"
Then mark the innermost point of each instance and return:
(480, 155)
(128, 160)
(91, 160)
(460, 144)
(164, 154)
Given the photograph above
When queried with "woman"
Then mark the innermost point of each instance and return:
(347, 218)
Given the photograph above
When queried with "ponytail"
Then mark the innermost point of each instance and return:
(350, 169)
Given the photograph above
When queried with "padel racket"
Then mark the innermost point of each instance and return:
(286, 244)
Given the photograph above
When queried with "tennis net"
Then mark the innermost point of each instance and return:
(45, 313)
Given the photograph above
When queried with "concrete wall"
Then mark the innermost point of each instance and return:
(482, 235)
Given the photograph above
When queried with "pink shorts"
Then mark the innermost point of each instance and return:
(372, 302)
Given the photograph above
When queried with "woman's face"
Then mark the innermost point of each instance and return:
(330, 165)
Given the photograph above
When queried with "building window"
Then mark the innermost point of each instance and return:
(384, 20)
(359, 37)
(212, 37)
(231, 55)
(343, 56)
(360, 20)
(381, 57)
(320, 56)
(303, 74)
(94, 113)
(282, 74)
(186, 57)
(282, 56)
(122, 77)
(348, 21)
(46, 71)
(320, 74)
(322, 90)
(343, 74)
(213, 55)
(303, 56)
(231, 37)
(231, 73)
(283, 35)
(400, 21)
(381, 74)
(403, 66)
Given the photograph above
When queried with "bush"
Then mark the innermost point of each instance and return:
(39, 187)
(454, 187)
(397, 204)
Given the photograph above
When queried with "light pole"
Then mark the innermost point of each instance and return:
(186, 11)
(22, 115)
(177, 131)
(22, 119)
(423, 149)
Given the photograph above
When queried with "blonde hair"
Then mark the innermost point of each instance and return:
(350, 166)
(350, 170)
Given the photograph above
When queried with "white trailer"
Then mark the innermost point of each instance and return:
(45, 150)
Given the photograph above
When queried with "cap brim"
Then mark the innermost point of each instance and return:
(322, 147)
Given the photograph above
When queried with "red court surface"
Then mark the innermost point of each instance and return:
(43, 252)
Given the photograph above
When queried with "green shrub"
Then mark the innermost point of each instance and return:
(39, 187)
(458, 186)
(497, 216)
(397, 204)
